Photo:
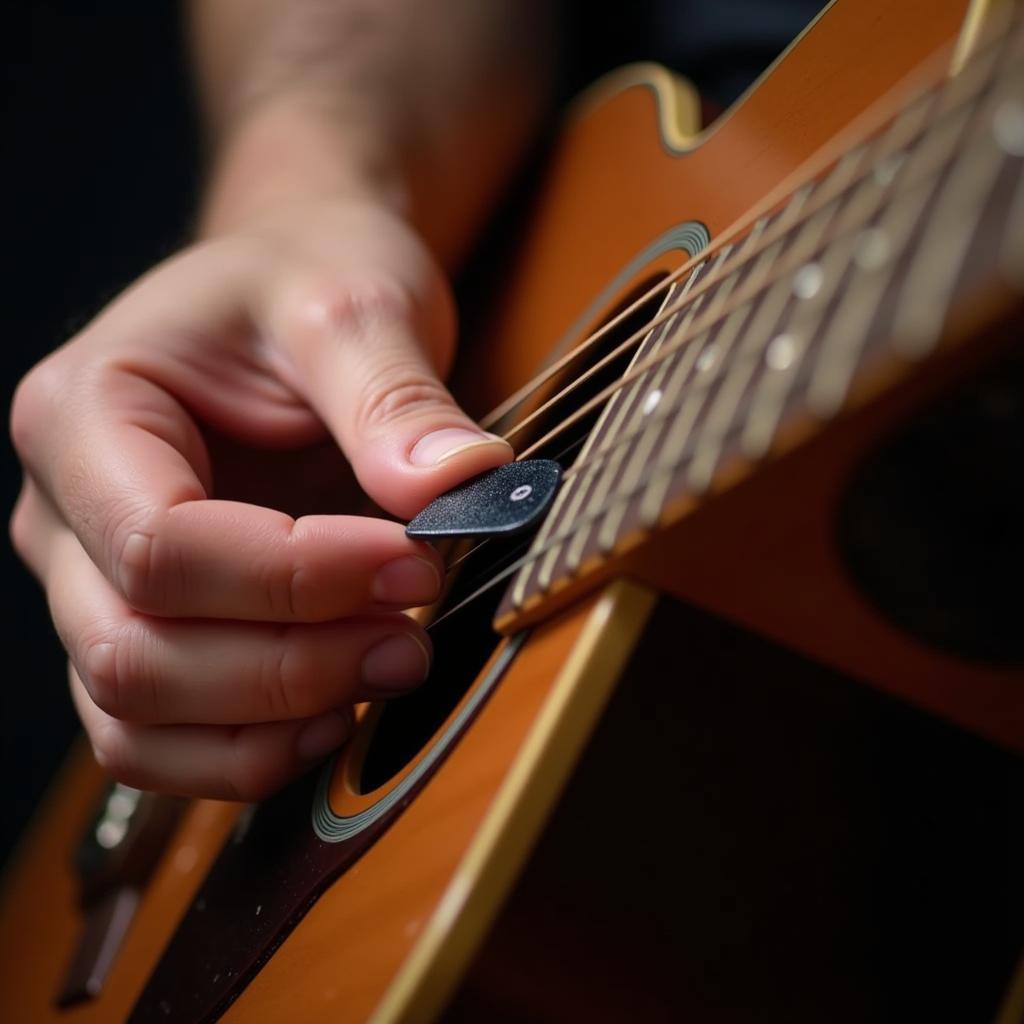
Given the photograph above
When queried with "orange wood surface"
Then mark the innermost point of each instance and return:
(612, 189)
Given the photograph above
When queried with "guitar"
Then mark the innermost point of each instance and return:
(735, 733)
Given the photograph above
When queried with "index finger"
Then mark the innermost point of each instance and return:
(126, 467)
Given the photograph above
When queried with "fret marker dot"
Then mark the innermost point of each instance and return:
(807, 281)
(521, 493)
(872, 249)
(707, 359)
(110, 833)
(885, 172)
(1008, 127)
(781, 352)
(651, 402)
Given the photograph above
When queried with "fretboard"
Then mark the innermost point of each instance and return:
(864, 263)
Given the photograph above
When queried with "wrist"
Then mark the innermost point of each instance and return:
(286, 154)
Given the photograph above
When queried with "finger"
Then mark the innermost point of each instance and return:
(164, 671)
(120, 462)
(361, 355)
(219, 762)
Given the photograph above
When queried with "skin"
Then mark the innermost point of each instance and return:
(187, 453)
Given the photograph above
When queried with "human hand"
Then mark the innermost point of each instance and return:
(216, 646)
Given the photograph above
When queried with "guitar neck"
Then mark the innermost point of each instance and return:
(864, 265)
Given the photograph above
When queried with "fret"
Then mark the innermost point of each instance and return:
(717, 297)
(753, 236)
(939, 256)
(837, 358)
(845, 171)
(970, 80)
(791, 211)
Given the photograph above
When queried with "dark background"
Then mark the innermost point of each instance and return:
(101, 168)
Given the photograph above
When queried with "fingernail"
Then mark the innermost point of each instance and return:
(323, 735)
(441, 445)
(396, 663)
(408, 581)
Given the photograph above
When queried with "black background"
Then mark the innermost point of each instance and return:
(100, 163)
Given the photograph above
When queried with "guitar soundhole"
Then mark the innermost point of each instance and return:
(464, 642)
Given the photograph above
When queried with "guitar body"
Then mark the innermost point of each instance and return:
(390, 929)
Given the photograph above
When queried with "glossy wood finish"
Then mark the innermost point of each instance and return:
(613, 187)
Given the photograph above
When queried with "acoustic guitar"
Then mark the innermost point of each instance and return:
(734, 732)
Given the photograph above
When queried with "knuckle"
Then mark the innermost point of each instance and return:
(395, 393)
(99, 670)
(290, 678)
(286, 589)
(117, 673)
(21, 528)
(31, 398)
(142, 563)
(251, 774)
(112, 752)
(354, 306)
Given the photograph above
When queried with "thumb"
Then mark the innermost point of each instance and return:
(363, 355)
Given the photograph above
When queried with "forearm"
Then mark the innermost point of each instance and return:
(424, 105)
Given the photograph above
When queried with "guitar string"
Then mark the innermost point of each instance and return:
(818, 167)
(729, 266)
(889, 196)
(896, 189)
(562, 535)
(767, 239)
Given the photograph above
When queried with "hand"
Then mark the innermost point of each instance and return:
(216, 646)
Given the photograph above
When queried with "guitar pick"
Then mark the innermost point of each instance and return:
(500, 502)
